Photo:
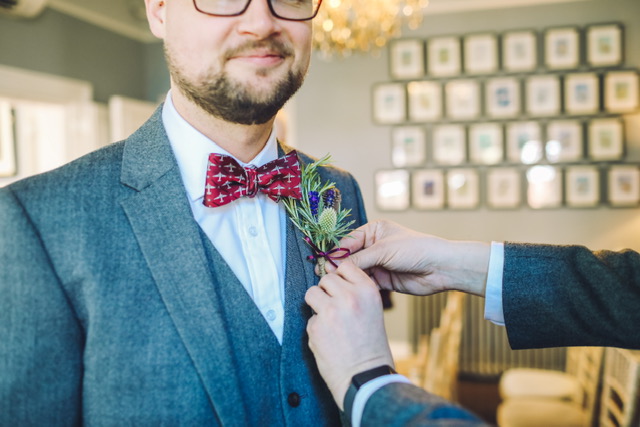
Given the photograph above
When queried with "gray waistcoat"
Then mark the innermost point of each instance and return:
(279, 385)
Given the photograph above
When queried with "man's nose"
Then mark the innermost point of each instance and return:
(259, 20)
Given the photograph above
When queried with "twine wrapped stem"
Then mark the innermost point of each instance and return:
(322, 257)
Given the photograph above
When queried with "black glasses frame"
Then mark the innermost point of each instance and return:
(273, 12)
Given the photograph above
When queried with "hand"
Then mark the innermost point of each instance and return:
(347, 334)
(406, 261)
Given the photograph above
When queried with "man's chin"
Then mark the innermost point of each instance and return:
(259, 88)
(259, 79)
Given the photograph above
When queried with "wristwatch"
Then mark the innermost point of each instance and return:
(360, 379)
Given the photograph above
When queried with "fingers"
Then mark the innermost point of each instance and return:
(339, 284)
(369, 257)
(361, 237)
(354, 242)
(316, 298)
(352, 274)
(340, 278)
(319, 297)
(360, 240)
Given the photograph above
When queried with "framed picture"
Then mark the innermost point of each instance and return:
(621, 91)
(462, 99)
(524, 142)
(425, 101)
(623, 185)
(427, 189)
(565, 141)
(582, 186)
(449, 144)
(485, 143)
(392, 189)
(407, 58)
(504, 188)
(7, 142)
(463, 189)
(581, 93)
(443, 56)
(562, 48)
(544, 187)
(480, 53)
(389, 103)
(502, 97)
(606, 139)
(604, 45)
(542, 94)
(408, 146)
(519, 51)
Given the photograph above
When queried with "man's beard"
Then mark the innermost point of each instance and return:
(220, 96)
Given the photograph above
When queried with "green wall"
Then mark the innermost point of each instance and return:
(58, 44)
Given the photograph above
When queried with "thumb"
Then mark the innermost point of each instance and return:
(366, 258)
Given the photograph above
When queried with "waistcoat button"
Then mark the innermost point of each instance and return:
(293, 399)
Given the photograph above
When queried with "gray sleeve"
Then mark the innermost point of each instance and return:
(401, 404)
(40, 338)
(586, 298)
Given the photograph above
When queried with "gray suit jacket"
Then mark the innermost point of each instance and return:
(111, 309)
(405, 405)
(570, 296)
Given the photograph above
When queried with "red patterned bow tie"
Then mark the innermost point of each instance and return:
(228, 181)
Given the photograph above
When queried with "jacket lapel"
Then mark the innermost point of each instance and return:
(162, 221)
(299, 277)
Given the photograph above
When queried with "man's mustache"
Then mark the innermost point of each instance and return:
(272, 45)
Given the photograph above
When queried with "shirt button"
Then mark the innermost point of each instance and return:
(294, 400)
(271, 315)
(253, 231)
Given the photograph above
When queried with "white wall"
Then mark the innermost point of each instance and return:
(333, 114)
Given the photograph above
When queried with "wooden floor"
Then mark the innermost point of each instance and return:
(480, 396)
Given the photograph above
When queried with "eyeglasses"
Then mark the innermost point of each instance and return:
(290, 10)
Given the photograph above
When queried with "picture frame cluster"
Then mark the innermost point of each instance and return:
(504, 97)
(509, 187)
(520, 51)
(524, 117)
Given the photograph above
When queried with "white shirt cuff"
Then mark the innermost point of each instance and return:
(365, 392)
(493, 293)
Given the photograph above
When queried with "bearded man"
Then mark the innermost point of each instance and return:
(133, 294)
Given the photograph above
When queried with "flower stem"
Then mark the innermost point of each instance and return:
(321, 269)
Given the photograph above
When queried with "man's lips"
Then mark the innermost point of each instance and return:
(259, 57)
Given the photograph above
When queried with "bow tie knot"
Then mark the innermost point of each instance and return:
(252, 181)
(227, 180)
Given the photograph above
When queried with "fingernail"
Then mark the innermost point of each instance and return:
(330, 268)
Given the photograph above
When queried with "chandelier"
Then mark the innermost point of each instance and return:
(345, 26)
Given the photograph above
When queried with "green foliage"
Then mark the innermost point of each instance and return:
(328, 224)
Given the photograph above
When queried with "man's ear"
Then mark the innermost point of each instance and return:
(156, 10)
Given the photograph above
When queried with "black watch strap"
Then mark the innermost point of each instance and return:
(359, 380)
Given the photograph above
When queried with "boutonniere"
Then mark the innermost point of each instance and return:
(319, 216)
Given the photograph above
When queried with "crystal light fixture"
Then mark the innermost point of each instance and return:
(346, 26)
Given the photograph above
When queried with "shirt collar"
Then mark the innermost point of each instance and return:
(192, 150)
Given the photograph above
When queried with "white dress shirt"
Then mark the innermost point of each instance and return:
(493, 293)
(249, 233)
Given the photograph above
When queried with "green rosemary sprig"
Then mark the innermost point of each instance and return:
(318, 213)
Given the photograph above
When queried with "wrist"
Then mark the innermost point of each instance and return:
(470, 267)
(340, 389)
(359, 380)
(339, 392)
